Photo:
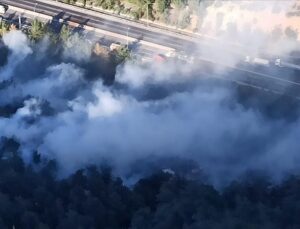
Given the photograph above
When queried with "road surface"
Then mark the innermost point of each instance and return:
(279, 79)
(139, 32)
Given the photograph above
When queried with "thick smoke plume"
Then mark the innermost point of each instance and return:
(253, 28)
(57, 109)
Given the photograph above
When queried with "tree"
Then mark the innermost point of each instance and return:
(184, 19)
(37, 30)
(108, 4)
(65, 33)
(122, 53)
(4, 28)
(291, 33)
(179, 3)
(162, 5)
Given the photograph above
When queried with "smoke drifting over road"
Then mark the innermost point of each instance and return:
(49, 104)
(252, 28)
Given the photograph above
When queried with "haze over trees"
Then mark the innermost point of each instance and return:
(32, 197)
(65, 36)
(34, 194)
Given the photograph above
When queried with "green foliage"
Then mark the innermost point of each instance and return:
(184, 19)
(4, 28)
(122, 53)
(150, 9)
(163, 5)
(32, 197)
(136, 15)
(107, 4)
(180, 3)
(37, 31)
(65, 33)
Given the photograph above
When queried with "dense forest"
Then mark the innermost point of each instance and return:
(34, 197)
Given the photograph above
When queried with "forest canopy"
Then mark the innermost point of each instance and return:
(33, 197)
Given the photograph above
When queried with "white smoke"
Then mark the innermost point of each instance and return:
(31, 108)
(117, 127)
(137, 76)
(107, 104)
(91, 122)
(18, 43)
(76, 49)
(246, 28)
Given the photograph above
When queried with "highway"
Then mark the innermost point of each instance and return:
(281, 79)
(189, 43)
(145, 51)
(139, 32)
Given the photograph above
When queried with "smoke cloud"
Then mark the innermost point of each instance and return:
(17, 42)
(157, 110)
(248, 28)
